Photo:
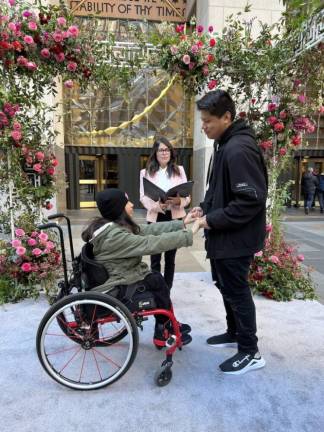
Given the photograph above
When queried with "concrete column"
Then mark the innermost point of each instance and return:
(214, 12)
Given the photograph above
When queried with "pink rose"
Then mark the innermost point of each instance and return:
(192, 65)
(283, 151)
(301, 99)
(272, 120)
(40, 156)
(29, 160)
(210, 29)
(26, 267)
(200, 29)
(265, 145)
(283, 115)
(31, 242)
(45, 53)
(26, 13)
(212, 42)
(268, 228)
(258, 254)
(194, 49)
(272, 106)
(50, 245)
(36, 252)
(274, 259)
(17, 126)
(68, 84)
(37, 168)
(54, 162)
(73, 31)
(300, 257)
(31, 66)
(15, 243)
(59, 57)
(12, 26)
(28, 40)
(279, 127)
(71, 66)
(296, 140)
(20, 250)
(34, 234)
(22, 61)
(212, 84)
(43, 237)
(19, 232)
(50, 171)
(61, 21)
(205, 70)
(186, 59)
(32, 26)
(57, 36)
(16, 135)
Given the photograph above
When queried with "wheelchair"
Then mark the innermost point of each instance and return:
(87, 340)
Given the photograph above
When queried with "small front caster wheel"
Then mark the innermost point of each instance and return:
(163, 376)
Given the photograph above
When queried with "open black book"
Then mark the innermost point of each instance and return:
(157, 194)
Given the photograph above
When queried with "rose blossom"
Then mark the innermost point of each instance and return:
(71, 66)
(210, 58)
(26, 13)
(200, 29)
(278, 127)
(61, 21)
(32, 25)
(45, 53)
(50, 245)
(16, 135)
(272, 106)
(296, 140)
(283, 151)
(174, 50)
(54, 162)
(43, 237)
(301, 99)
(205, 70)
(36, 252)
(258, 254)
(274, 259)
(283, 114)
(31, 242)
(39, 156)
(212, 84)
(22, 61)
(28, 40)
(68, 84)
(212, 42)
(19, 232)
(73, 31)
(210, 29)
(26, 267)
(194, 49)
(31, 66)
(17, 126)
(20, 250)
(50, 171)
(12, 26)
(300, 257)
(15, 243)
(186, 59)
(37, 167)
(34, 234)
(57, 36)
(59, 57)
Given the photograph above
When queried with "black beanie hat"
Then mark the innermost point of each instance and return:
(111, 203)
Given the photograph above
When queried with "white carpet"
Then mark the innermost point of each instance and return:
(287, 395)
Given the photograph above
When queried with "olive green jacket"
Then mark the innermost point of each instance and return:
(121, 251)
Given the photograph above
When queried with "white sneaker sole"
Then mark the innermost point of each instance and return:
(227, 344)
(258, 364)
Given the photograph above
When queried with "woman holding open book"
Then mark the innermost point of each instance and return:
(163, 171)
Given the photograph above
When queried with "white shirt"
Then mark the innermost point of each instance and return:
(163, 180)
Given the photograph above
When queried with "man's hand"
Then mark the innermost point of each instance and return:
(196, 212)
(203, 223)
(189, 219)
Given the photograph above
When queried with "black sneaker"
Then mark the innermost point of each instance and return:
(161, 335)
(184, 328)
(241, 363)
(222, 340)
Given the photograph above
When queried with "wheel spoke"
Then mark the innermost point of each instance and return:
(107, 358)
(67, 363)
(62, 350)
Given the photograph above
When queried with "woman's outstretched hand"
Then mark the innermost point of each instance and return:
(189, 218)
(195, 226)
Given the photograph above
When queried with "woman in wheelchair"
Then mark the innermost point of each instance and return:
(119, 244)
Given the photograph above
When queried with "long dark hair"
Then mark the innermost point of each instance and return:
(123, 220)
(153, 166)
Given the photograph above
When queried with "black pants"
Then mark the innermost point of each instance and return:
(231, 277)
(169, 256)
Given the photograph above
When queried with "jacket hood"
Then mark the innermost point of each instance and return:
(238, 127)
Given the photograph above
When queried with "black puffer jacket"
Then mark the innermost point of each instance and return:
(235, 203)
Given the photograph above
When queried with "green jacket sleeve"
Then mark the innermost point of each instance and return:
(123, 244)
(161, 227)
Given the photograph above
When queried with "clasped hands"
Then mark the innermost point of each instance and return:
(196, 217)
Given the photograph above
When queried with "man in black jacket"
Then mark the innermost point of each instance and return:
(233, 214)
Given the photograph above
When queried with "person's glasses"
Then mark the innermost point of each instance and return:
(163, 151)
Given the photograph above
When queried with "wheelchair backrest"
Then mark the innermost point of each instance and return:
(93, 273)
